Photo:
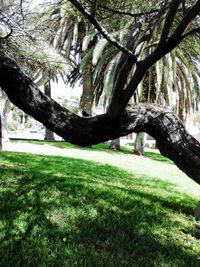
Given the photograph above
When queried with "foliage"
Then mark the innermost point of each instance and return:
(27, 43)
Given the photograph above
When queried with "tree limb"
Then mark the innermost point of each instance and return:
(121, 12)
(94, 8)
(169, 132)
(169, 21)
(187, 19)
(193, 31)
(104, 33)
(121, 96)
(176, 37)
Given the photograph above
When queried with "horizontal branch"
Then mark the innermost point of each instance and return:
(169, 132)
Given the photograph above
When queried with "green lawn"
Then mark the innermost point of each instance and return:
(57, 211)
(152, 153)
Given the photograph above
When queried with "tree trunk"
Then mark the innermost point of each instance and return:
(49, 136)
(139, 144)
(115, 144)
(0, 136)
(172, 138)
(6, 107)
(86, 97)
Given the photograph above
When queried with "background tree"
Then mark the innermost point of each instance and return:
(49, 136)
(42, 65)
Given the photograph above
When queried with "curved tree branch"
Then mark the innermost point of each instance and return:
(170, 134)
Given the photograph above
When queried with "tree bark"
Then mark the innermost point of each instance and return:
(139, 144)
(115, 144)
(172, 138)
(49, 136)
(0, 136)
(86, 97)
(6, 107)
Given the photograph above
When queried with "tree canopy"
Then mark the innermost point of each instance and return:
(143, 33)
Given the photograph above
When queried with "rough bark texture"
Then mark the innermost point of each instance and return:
(49, 136)
(169, 132)
(86, 97)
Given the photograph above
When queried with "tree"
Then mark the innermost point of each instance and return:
(48, 133)
(0, 136)
(178, 22)
(5, 109)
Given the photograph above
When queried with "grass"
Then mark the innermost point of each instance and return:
(57, 211)
(153, 153)
(63, 144)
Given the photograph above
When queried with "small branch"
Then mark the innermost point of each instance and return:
(154, 22)
(191, 14)
(184, 8)
(194, 31)
(176, 38)
(169, 20)
(104, 33)
(94, 8)
(121, 12)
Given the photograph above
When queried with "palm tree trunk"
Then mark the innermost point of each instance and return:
(6, 104)
(0, 135)
(86, 97)
(144, 98)
(115, 144)
(139, 144)
(49, 136)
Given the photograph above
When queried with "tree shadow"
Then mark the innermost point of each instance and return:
(56, 213)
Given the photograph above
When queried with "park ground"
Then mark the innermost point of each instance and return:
(62, 205)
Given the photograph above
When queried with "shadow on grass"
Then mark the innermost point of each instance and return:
(67, 212)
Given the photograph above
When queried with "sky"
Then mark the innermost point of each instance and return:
(35, 2)
(61, 89)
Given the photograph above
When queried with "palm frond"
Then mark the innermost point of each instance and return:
(86, 59)
(109, 75)
(98, 50)
(74, 77)
(87, 40)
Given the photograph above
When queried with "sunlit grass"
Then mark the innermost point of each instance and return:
(152, 153)
(56, 211)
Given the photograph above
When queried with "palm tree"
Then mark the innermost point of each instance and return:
(42, 65)
(49, 136)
